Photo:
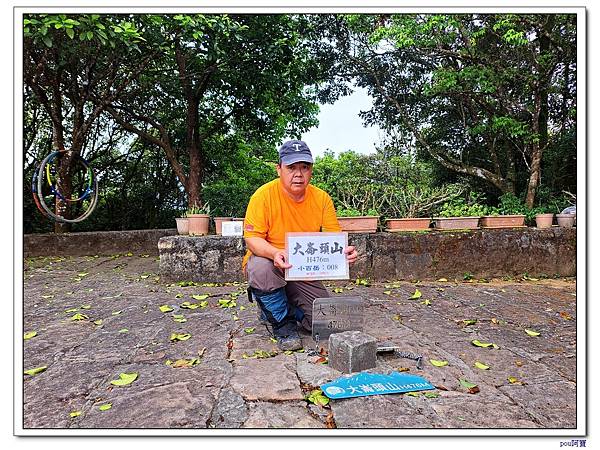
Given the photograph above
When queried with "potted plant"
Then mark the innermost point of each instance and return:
(458, 214)
(542, 215)
(408, 224)
(198, 219)
(565, 220)
(508, 214)
(568, 216)
(182, 224)
(544, 220)
(354, 221)
(409, 208)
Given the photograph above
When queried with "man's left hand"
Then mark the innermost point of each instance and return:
(351, 254)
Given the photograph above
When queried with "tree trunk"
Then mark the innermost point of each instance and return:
(194, 179)
(64, 186)
(540, 117)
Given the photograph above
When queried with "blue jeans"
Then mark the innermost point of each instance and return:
(276, 309)
(268, 281)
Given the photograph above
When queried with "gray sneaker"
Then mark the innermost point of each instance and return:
(288, 343)
(288, 338)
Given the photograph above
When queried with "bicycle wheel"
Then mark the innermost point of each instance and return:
(89, 197)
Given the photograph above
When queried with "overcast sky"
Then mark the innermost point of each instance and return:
(341, 129)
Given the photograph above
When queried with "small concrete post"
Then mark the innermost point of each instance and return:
(352, 351)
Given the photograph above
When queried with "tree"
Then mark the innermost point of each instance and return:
(484, 95)
(68, 61)
(218, 77)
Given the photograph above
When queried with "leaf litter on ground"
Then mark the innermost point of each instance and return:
(125, 379)
(438, 363)
(35, 371)
(317, 397)
(471, 387)
(29, 334)
(478, 343)
(417, 294)
(180, 337)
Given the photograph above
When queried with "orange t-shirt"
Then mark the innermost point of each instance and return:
(271, 213)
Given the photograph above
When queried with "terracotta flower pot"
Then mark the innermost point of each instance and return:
(565, 220)
(408, 224)
(182, 225)
(360, 224)
(198, 224)
(544, 220)
(456, 223)
(508, 221)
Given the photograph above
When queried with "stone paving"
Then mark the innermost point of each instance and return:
(238, 380)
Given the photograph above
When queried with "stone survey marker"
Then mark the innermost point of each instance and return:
(337, 314)
(317, 256)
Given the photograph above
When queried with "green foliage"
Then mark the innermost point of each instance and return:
(317, 397)
(235, 175)
(203, 209)
(510, 205)
(52, 29)
(351, 212)
(461, 207)
(551, 202)
(461, 88)
(393, 185)
(467, 81)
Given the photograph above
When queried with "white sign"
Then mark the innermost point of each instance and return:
(316, 256)
(232, 228)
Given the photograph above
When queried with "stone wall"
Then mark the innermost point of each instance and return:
(94, 243)
(396, 256)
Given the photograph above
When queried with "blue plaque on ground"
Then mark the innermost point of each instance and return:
(364, 384)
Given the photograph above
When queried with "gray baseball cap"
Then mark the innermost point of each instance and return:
(294, 151)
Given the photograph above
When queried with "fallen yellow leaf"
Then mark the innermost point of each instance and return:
(416, 295)
(514, 380)
(125, 379)
(29, 335)
(79, 316)
(35, 371)
(438, 363)
(478, 343)
(180, 337)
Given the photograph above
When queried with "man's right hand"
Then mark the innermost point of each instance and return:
(279, 260)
